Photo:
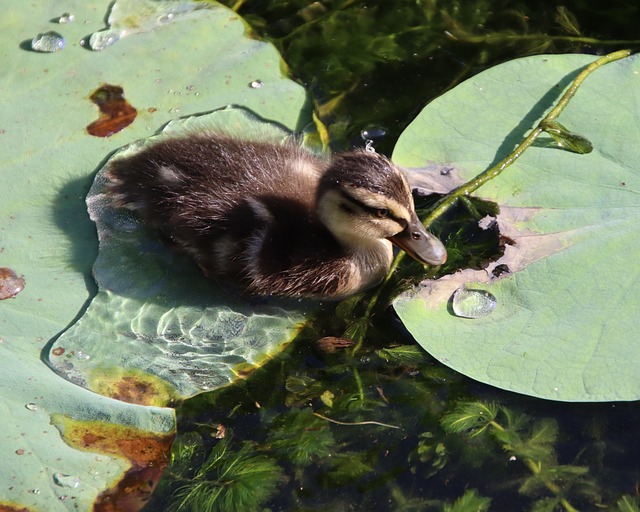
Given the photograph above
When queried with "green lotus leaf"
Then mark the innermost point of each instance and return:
(58, 439)
(566, 304)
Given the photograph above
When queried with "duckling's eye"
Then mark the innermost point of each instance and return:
(382, 213)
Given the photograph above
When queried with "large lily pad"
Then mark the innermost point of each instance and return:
(566, 311)
(157, 322)
(48, 162)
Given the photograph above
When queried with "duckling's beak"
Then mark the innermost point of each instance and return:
(419, 244)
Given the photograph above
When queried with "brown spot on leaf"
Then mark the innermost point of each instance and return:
(10, 507)
(117, 113)
(132, 386)
(148, 454)
(11, 284)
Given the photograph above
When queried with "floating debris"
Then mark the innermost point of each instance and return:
(472, 303)
(330, 344)
(11, 284)
(48, 42)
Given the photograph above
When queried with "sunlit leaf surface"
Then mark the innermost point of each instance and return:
(198, 63)
(563, 327)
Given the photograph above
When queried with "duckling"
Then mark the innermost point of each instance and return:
(273, 218)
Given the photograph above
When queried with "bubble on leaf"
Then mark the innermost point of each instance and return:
(472, 303)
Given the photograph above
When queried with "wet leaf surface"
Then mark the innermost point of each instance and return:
(48, 165)
(564, 286)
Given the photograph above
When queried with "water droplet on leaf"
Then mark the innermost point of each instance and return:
(103, 39)
(256, 84)
(166, 18)
(48, 42)
(31, 406)
(472, 303)
(66, 18)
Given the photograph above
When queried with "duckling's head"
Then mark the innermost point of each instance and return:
(363, 198)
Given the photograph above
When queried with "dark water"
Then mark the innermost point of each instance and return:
(258, 444)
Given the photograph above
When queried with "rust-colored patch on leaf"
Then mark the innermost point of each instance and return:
(148, 454)
(132, 386)
(11, 507)
(11, 284)
(117, 113)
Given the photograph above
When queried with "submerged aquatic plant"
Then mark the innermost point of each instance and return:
(532, 443)
(231, 477)
(331, 454)
(344, 50)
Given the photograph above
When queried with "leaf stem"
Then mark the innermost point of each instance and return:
(471, 186)
(499, 38)
(350, 423)
(356, 375)
(536, 469)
